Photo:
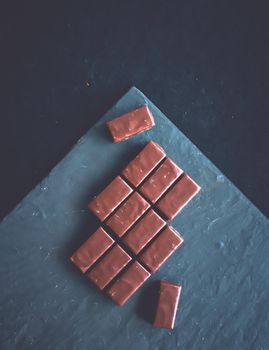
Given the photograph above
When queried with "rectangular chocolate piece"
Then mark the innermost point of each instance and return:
(179, 196)
(144, 231)
(110, 198)
(161, 180)
(160, 249)
(92, 249)
(141, 166)
(167, 305)
(109, 267)
(128, 283)
(128, 214)
(130, 124)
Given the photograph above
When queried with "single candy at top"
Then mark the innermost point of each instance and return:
(167, 305)
(130, 124)
(161, 180)
(110, 198)
(143, 164)
(178, 196)
(92, 249)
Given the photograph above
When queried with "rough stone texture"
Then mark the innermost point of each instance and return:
(223, 267)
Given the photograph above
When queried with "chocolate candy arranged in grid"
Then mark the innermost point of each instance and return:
(161, 180)
(154, 179)
(128, 283)
(92, 249)
(144, 231)
(161, 248)
(128, 214)
(178, 197)
(110, 198)
(109, 267)
(143, 164)
(130, 124)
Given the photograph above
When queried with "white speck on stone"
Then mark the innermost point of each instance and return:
(221, 244)
(47, 256)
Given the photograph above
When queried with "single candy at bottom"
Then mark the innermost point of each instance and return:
(128, 283)
(167, 305)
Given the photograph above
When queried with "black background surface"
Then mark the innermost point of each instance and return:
(205, 64)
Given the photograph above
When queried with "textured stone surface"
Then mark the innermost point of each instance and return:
(223, 267)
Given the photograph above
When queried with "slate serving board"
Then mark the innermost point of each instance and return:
(46, 303)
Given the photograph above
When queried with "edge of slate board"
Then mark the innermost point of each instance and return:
(117, 111)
